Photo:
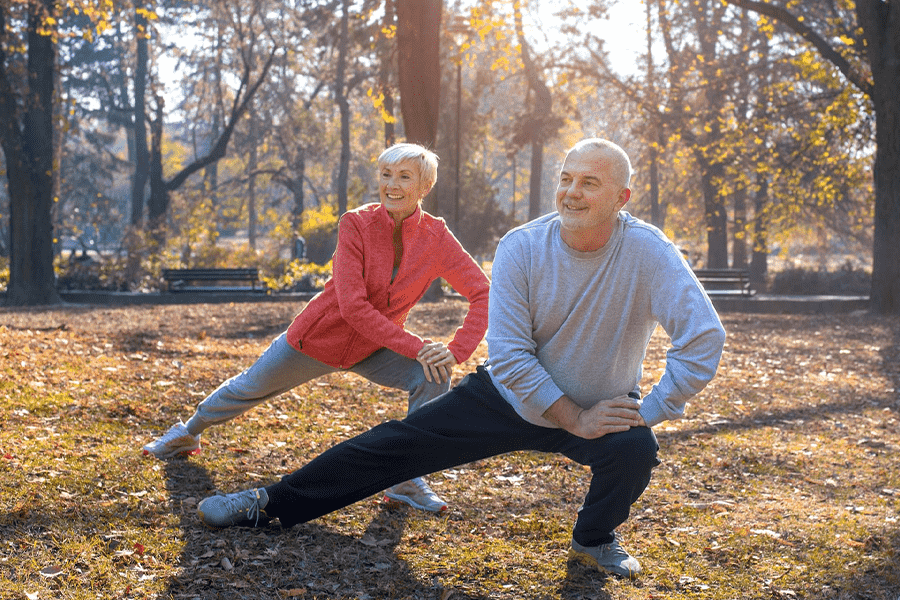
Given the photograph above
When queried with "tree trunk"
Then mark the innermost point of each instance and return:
(386, 67)
(716, 217)
(655, 133)
(759, 261)
(158, 205)
(141, 153)
(657, 214)
(534, 180)
(340, 96)
(252, 161)
(881, 24)
(709, 19)
(297, 190)
(739, 233)
(542, 113)
(28, 147)
(418, 46)
(211, 171)
(759, 253)
(739, 256)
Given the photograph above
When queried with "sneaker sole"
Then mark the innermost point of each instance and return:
(263, 521)
(189, 452)
(589, 561)
(397, 499)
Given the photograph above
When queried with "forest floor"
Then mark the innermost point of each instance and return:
(782, 481)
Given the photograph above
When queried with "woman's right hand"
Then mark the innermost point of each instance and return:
(437, 361)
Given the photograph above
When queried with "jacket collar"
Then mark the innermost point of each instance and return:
(412, 220)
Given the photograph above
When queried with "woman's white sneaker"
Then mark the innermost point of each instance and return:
(177, 441)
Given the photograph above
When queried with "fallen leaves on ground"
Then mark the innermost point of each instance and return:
(780, 482)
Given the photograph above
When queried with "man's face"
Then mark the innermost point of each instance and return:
(588, 198)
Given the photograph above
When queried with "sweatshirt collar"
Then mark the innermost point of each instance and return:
(610, 243)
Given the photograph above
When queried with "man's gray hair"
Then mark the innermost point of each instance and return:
(425, 158)
(621, 162)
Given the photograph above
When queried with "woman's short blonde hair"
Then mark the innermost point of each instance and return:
(425, 158)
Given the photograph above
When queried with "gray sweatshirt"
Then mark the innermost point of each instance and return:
(563, 322)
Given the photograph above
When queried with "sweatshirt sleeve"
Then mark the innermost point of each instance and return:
(466, 277)
(697, 337)
(511, 345)
(356, 309)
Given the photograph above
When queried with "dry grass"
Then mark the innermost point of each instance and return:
(782, 482)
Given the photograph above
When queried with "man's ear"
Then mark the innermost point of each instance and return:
(624, 197)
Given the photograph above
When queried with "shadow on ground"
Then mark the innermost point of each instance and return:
(310, 560)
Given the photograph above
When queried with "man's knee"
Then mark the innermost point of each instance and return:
(641, 447)
(636, 449)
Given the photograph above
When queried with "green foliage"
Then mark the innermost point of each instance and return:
(319, 229)
(798, 281)
(482, 221)
(4, 272)
(297, 276)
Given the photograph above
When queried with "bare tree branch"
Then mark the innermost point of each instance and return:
(827, 51)
(240, 106)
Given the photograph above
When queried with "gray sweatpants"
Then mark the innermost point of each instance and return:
(281, 368)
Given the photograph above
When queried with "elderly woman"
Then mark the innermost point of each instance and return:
(388, 254)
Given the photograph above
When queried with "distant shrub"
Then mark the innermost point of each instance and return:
(846, 281)
(297, 276)
(91, 271)
(319, 230)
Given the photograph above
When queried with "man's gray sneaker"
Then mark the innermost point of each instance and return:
(242, 508)
(610, 557)
(417, 494)
(178, 440)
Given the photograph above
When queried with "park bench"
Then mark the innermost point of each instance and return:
(179, 280)
(725, 282)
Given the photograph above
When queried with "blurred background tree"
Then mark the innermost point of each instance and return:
(235, 133)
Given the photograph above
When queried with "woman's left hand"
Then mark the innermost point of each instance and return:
(437, 361)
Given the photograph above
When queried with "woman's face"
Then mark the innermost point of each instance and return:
(400, 187)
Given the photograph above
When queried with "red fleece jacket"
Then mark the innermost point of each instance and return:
(360, 309)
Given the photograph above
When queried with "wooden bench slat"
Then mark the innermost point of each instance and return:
(177, 279)
(725, 282)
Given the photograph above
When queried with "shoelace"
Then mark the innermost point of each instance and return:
(237, 504)
(423, 487)
(614, 550)
(174, 432)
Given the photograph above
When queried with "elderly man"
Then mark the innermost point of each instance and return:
(575, 297)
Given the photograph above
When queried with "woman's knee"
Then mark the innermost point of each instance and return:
(425, 391)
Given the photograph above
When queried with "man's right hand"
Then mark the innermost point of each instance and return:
(607, 416)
